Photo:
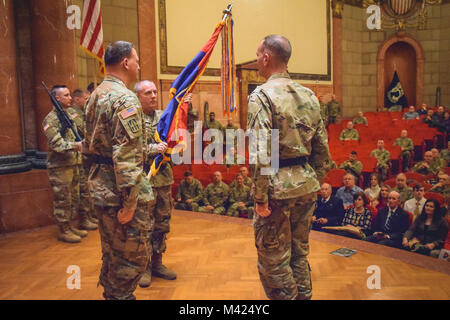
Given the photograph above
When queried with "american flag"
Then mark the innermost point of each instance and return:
(92, 32)
(401, 7)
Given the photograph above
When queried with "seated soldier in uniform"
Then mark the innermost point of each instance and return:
(443, 186)
(215, 195)
(190, 193)
(352, 166)
(411, 114)
(406, 145)
(383, 156)
(243, 171)
(349, 133)
(402, 188)
(445, 154)
(241, 201)
(425, 167)
(360, 119)
(437, 163)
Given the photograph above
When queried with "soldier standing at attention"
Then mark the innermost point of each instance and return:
(215, 196)
(87, 222)
(334, 109)
(383, 157)
(122, 195)
(63, 156)
(161, 183)
(407, 145)
(285, 200)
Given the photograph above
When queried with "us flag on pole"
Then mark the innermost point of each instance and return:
(92, 32)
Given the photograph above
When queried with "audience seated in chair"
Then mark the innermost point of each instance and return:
(349, 133)
(360, 119)
(428, 232)
(437, 163)
(426, 167)
(411, 114)
(423, 110)
(402, 188)
(215, 196)
(415, 205)
(382, 200)
(443, 186)
(349, 189)
(445, 154)
(243, 171)
(190, 193)
(353, 166)
(383, 157)
(373, 192)
(407, 146)
(329, 210)
(241, 201)
(391, 223)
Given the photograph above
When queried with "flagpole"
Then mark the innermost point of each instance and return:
(95, 74)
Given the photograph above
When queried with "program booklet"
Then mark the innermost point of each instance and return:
(344, 252)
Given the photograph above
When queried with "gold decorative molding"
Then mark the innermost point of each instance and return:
(166, 69)
(338, 8)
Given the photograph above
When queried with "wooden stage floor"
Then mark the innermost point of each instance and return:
(215, 258)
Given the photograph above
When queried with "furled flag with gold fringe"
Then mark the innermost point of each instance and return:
(91, 40)
(228, 69)
(174, 116)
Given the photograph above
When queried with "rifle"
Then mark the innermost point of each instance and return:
(66, 123)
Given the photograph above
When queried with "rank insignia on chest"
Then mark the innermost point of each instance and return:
(128, 112)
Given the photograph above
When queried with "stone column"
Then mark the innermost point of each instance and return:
(54, 56)
(12, 158)
(337, 49)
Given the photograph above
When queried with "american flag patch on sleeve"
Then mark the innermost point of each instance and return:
(128, 112)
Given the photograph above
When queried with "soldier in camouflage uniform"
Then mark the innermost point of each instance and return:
(323, 111)
(161, 183)
(383, 157)
(285, 200)
(121, 194)
(437, 162)
(352, 166)
(63, 157)
(190, 193)
(215, 196)
(241, 201)
(425, 167)
(445, 154)
(87, 222)
(407, 145)
(360, 119)
(243, 171)
(442, 187)
(402, 188)
(334, 109)
(349, 133)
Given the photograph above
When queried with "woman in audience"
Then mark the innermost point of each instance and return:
(358, 215)
(428, 232)
(374, 191)
(382, 200)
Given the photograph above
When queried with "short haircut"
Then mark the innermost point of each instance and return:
(418, 187)
(188, 174)
(77, 93)
(117, 51)
(138, 85)
(362, 195)
(56, 89)
(212, 114)
(279, 46)
(354, 153)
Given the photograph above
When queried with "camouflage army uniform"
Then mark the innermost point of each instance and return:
(444, 190)
(62, 164)
(383, 157)
(360, 120)
(247, 182)
(407, 145)
(406, 193)
(282, 239)
(240, 194)
(85, 205)
(324, 113)
(349, 134)
(445, 155)
(425, 171)
(353, 167)
(193, 192)
(334, 109)
(215, 195)
(437, 164)
(161, 185)
(115, 143)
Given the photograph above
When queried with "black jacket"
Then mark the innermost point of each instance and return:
(399, 223)
(333, 210)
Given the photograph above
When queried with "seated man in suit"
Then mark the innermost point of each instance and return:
(391, 223)
(329, 211)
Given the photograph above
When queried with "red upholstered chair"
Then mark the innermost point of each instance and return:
(391, 183)
(446, 170)
(415, 176)
(436, 196)
(411, 217)
(335, 177)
